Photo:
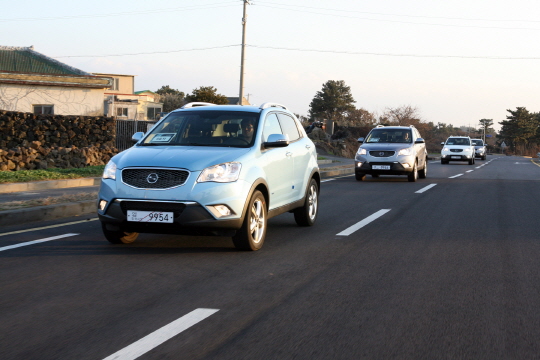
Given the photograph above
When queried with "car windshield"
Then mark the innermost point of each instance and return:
(205, 128)
(477, 142)
(458, 141)
(389, 136)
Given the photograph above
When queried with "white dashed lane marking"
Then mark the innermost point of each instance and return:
(35, 242)
(363, 223)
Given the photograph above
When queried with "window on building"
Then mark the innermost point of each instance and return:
(121, 111)
(116, 84)
(44, 109)
(152, 113)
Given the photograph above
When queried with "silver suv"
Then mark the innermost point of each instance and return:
(212, 170)
(480, 150)
(392, 150)
(457, 148)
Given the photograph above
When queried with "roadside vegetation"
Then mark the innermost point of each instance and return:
(50, 174)
(14, 205)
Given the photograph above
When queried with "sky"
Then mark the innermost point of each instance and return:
(455, 61)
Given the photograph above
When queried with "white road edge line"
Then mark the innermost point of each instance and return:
(161, 335)
(425, 189)
(470, 170)
(363, 223)
(455, 176)
(36, 242)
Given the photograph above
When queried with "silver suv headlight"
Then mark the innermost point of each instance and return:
(406, 151)
(110, 171)
(361, 151)
(227, 172)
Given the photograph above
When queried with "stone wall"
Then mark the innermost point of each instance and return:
(29, 141)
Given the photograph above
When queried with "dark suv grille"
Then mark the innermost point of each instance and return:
(382, 153)
(154, 178)
(176, 208)
(456, 150)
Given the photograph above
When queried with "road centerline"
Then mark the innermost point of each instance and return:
(161, 335)
(425, 189)
(363, 223)
(36, 241)
(455, 176)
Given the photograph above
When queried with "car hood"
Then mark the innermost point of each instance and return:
(384, 146)
(193, 158)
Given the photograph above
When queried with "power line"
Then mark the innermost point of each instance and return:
(127, 13)
(310, 50)
(396, 55)
(399, 21)
(146, 53)
(405, 15)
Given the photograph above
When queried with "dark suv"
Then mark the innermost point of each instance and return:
(392, 150)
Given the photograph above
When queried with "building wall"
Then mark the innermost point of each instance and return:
(66, 100)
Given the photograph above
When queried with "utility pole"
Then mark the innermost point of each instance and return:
(244, 20)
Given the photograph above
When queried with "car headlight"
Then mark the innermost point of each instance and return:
(227, 172)
(361, 151)
(406, 151)
(467, 150)
(110, 171)
(445, 149)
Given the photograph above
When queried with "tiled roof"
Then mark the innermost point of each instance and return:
(26, 60)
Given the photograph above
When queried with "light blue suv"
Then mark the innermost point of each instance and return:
(210, 169)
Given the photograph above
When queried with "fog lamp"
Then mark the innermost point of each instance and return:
(220, 210)
(102, 204)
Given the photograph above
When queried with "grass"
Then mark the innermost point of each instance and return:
(50, 174)
(13, 205)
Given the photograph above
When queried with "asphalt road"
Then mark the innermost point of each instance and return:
(444, 268)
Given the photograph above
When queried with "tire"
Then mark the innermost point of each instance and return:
(471, 161)
(484, 157)
(444, 162)
(360, 177)
(251, 235)
(374, 175)
(307, 214)
(119, 236)
(423, 173)
(413, 176)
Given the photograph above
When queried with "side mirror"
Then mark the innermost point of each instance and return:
(276, 140)
(442, 144)
(361, 140)
(137, 136)
(419, 141)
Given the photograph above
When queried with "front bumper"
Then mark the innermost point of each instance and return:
(456, 157)
(189, 218)
(362, 166)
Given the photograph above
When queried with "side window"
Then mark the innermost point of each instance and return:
(271, 126)
(289, 127)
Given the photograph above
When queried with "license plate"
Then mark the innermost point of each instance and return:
(380, 167)
(150, 216)
(456, 157)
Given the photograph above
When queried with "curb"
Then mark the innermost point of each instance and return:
(49, 184)
(349, 170)
(58, 211)
(45, 213)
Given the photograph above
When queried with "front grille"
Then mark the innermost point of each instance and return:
(456, 150)
(176, 208)
(154, 178)
(382, 153)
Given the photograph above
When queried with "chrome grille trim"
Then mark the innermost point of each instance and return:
(136, 177)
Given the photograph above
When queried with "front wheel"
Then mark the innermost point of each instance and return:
(253, 231)
(423, 173)
(413, 176)
(307, 214)
(360, 177)
(119, 236)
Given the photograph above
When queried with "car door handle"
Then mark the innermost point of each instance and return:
(288, 154)
(308, 146)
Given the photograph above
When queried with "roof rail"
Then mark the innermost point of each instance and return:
(411, 126)
(379, 126)
(266, 105)
(195, 104)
